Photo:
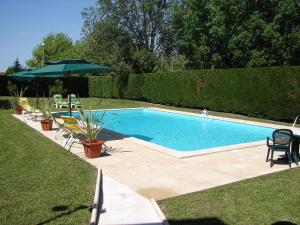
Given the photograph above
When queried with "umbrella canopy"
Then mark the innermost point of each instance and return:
(67, 67)
(71, 66)
(27, 75)
(68, 61)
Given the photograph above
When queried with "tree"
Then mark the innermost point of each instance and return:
(237, 33)
(57, 46)
(128, 33)
(16, 67)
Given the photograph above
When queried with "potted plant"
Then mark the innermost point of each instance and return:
(15, 101)
(15, 104)
(47, 120)
(91, 126)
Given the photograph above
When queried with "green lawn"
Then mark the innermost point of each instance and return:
(262, 200)
(40, 183)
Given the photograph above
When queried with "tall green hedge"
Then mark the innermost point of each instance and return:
(272, 93)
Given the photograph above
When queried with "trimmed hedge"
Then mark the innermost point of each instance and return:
(272, 92)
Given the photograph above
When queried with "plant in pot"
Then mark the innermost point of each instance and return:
(47, 120)
(16, 96)
(91, 126)
(15, 104)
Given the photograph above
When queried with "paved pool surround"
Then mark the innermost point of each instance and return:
(154, 173)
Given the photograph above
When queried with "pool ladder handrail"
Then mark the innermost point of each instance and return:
(296, 120)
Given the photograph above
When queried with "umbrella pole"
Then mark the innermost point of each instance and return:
(69, 104)
(69, 95)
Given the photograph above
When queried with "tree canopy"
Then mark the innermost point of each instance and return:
(16, 67)
(237, 33)
(129, 34)
(139, 36)
(56, 47)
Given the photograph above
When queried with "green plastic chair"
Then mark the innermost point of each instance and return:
(74, 101)
(58, 101)
(281, 142)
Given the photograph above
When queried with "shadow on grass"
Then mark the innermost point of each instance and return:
(214, 221)
(4, 104)
(62, 208)
(198, 221)
(283, 223)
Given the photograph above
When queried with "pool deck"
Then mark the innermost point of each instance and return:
(154, 174)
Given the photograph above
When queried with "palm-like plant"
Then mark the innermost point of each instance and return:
(15, 100)
(90, 125)
(46, 109)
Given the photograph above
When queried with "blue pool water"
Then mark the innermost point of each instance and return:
(181, 132)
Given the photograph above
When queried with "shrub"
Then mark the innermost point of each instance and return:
(272, 93)
(57, 88)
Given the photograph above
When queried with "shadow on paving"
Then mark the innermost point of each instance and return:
(62, 208)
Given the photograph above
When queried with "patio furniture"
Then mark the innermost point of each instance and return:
(61, 129)
(28, 110)
(281, 142)
(66, 67)
(74, 131)
(58, 101)
(74, 101)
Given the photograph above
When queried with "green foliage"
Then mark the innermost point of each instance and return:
(12, 88)
(57, 46)
(271, 93)
(16, 95)
(128, 34)
(46, 108)
(57, 88)
(169, 63)
(236, 33)
(90, 125)
(16, 67)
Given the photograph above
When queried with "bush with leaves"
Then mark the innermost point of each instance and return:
(57, 88)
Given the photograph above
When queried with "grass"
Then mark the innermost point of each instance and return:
(40, 182)
(263, 200)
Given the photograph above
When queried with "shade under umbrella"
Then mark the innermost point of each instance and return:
(68, 67)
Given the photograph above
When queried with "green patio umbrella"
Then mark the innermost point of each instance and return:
(71, 66)
(26, 75)
(68, 67)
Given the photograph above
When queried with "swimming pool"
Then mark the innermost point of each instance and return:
(181, 132)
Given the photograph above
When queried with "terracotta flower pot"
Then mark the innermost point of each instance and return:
(92, 149)
(18, 110)
(46, 124)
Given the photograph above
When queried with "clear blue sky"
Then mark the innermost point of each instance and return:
(24, 23)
